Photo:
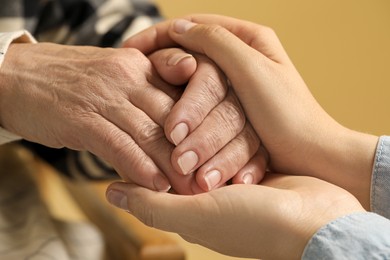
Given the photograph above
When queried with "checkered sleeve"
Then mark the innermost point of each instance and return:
(102, 23)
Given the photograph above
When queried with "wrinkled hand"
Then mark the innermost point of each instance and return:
(274, 220)
(225, 146)
(300, 137)
(212, 137)
(220, 143)
(110, 102)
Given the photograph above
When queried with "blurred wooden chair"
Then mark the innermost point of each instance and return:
(77, 200)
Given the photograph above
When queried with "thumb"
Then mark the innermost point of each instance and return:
(223, 47)
(174, 65)
(242, 64)
(165, 211)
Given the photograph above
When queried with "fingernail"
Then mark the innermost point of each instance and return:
(177, 57)
(212, 178)
(181, 25)
(247, 178)
(179, 133)
(187, 162)
(118, 199)
(161, 183)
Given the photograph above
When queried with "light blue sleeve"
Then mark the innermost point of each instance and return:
(357, 236)
(380, 184)
(360, 235)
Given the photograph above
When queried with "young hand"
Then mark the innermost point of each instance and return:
(273, 220)
(300, 137)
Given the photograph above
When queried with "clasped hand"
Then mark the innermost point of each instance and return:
(116, 104)
(328, 165)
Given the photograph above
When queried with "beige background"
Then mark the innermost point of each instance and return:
(341, 48)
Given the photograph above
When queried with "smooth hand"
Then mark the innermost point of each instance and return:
(274, 220)
(299, 135)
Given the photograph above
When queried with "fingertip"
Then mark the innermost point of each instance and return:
(181, 26)
(201, 180)
(212, 179)
(181, 67)
(252, 173)
(174, 65)
(187, 162)
(243, 178)
(176, 58)
(116, 194)
(117, 198)
(179, 132)
(161, 183)
(247, 178)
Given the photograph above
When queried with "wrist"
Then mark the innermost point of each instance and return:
(345, 159)
(6, 40)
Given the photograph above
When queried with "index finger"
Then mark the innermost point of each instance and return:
(157, 36)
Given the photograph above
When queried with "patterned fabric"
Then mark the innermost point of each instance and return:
(27, 228)
(79, 22)
(104, 23)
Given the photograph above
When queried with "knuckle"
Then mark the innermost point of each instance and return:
(125, 53)
(232, 114)
(213, 87)
(249, 137)
(127, 158)
(213, 141)
(120, 62)
(268, 31)
(214, 31)
(241, 149)
(264, 32)
(149, 133)
(197, 106)
(194, 111)
(122, 152)
(117, 142)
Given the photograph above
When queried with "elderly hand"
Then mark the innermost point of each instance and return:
(274, 220)
(221, 145)
(213, 139)
(300, 137)
(107, 101)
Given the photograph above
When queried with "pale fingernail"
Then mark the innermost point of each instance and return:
(247, 178)
(187, 162)
(212, 178)
(179, 133)
(161, 183)
(118, 199)
(181, 25)
(177, 57)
